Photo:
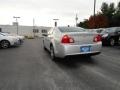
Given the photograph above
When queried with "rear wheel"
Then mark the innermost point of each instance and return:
(112, 42)
(52, 54)
(44, 46)
(4, 44)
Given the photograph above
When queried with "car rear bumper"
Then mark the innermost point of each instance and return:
(87, 54)
(69, 50)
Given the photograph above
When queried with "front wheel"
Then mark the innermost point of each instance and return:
(4, 44)
(119, 41)
(112, 42)
(44, 46)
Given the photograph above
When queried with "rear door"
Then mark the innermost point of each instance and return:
(48, 39)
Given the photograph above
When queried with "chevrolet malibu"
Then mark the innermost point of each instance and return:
(67, 41)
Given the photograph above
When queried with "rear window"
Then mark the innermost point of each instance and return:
(109, 31)
(71, 29)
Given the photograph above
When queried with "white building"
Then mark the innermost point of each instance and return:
(23, 30)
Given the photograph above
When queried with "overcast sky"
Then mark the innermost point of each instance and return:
(44, 11)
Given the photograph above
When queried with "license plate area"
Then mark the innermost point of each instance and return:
(85, 49)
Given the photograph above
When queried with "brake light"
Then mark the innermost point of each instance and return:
(67, 39)
(97, 38)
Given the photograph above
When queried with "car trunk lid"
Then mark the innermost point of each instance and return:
(82, 37)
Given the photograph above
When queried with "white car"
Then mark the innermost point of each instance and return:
(7, 41)
(21, 38)
(67, 41)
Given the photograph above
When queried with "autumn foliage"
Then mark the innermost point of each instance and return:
(97, 21)
(108, 16)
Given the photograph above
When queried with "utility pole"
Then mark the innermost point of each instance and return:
(34, 27)
(16, 22)
(94, 13)
(76, 18)
(55, 22)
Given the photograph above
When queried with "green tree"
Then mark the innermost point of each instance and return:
(104, 8)
(118, 8)
(83, 24)
(116, 17)
(108, 11)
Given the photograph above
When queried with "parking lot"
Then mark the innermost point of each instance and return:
(29, 67)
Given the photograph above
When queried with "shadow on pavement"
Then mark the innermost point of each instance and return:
(74, 62)
(113, 47)
(12, 47)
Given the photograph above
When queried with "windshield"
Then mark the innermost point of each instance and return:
(71, 29)
(2, 34)
(6, 34)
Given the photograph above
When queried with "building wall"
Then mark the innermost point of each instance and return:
(23, 30)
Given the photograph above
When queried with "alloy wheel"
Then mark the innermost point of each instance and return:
(112, 42)
(4, 44)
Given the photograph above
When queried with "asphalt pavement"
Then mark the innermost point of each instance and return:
(29, 67)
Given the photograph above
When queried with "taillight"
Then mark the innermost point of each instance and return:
(97, 38)
(67, 39)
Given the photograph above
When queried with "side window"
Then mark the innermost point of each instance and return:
(118, 30)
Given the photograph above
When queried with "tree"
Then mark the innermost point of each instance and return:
(104, 8)
(83, 24)
(108, 11)
(111, 9)
(116, 17)
(118, 8)
(108, 17)
(99, 21)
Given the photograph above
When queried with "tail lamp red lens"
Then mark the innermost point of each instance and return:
(67, 39)
(97, 38)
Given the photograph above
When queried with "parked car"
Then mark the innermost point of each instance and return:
(111, 36)
(100, 30)
(67, 41)
(7, 41)
(21, 38)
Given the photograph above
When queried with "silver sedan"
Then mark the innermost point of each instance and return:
(67, 41)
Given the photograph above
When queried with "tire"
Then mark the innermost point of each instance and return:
(44, 47)
(52, 54)
(4, 44)
(119, 41)
(112, 42)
